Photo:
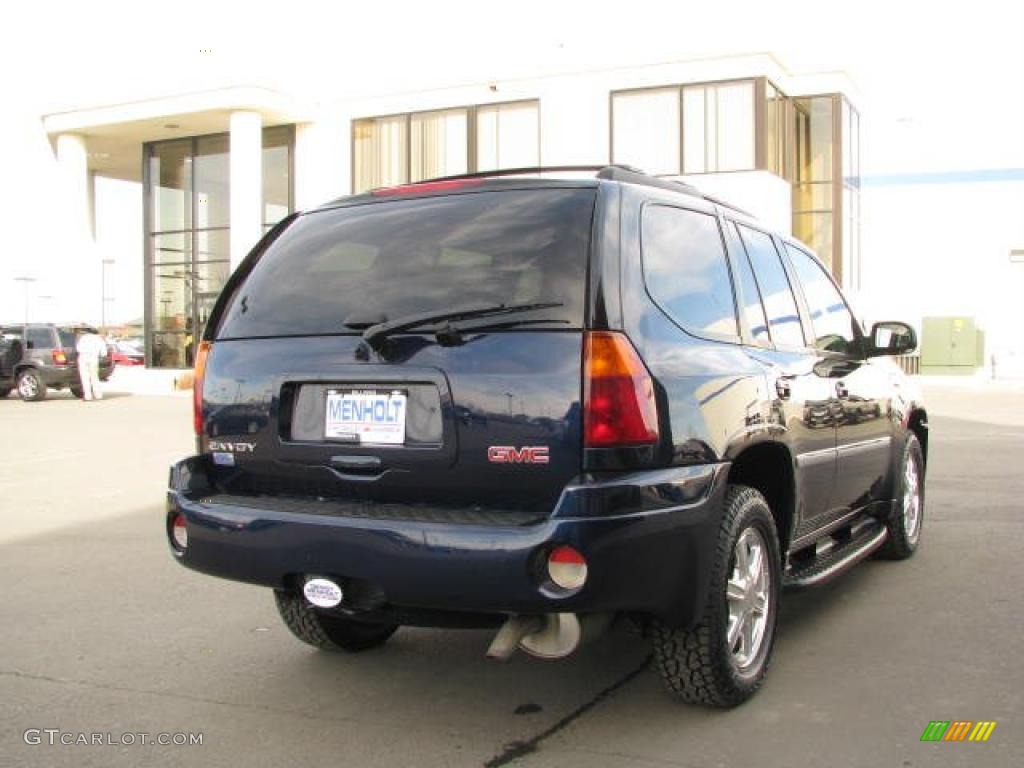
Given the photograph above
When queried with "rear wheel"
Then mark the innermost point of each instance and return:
(332, 633)
(722, 660)
(76, 391)
(31, 386)
(908, 516)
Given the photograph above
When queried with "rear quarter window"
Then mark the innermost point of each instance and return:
(686, 271)
(381, 261)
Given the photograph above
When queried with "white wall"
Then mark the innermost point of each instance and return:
(943, 249)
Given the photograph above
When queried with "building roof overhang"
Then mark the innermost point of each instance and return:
(114, 133)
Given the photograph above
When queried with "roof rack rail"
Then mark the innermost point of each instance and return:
(609, 172)
(516, 172)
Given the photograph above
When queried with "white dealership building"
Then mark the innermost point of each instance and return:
(198, 174)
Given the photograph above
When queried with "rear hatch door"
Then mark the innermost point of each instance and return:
(409, 351)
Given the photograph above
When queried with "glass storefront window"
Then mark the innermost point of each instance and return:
(645, 129)
(380, 152)
(399, 149)
(701, 128)
(718, 128)
(277, 173)
(172, 248)
(170, 172)
(188, 194)
(508, 136)
(212, 183)
(439, 144)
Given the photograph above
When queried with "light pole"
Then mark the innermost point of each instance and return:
(26, 281)
(103, 295)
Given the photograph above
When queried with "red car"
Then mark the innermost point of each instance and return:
(126, 353)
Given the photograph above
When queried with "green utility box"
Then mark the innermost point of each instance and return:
(951, 345)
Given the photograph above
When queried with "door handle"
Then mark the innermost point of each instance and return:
(841, 390)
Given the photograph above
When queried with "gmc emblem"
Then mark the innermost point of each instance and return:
(528, 454)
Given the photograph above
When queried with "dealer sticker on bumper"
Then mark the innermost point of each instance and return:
(366, 416)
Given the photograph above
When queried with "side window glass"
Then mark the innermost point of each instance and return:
(38, 338)
(783, 317)
(686, 272)
(831, 319)
(750, 303)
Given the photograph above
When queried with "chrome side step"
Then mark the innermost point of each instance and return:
(867, 537)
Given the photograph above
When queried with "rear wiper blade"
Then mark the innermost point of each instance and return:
(452, 334)
(376, 333)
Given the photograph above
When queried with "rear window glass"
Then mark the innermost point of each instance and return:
(383, 261)
(67, 338)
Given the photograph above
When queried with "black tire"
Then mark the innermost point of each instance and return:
(905, 528)
(331, 633)
(76, 391)
(31, 386)
(698, 665)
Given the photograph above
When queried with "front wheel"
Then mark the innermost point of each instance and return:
(31, 386)
(332, 633)
(908, 516)
(723, 659)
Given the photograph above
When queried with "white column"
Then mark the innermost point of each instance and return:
(78, 290)
(246, 183)
(73, 159)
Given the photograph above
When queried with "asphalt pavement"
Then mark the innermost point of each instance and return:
(101, 632)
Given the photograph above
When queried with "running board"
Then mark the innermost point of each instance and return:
(844, 556)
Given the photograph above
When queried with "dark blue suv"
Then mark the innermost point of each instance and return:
(540, 404)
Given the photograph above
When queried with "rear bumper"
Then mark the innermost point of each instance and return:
(648, 538)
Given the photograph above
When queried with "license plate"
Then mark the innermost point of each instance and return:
(365, 416)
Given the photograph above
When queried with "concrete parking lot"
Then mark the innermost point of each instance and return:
(101, 632)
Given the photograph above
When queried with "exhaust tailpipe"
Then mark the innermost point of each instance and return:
(550, 636)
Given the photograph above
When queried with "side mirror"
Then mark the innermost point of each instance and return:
(892, 338)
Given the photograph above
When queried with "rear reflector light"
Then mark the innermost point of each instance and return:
(567, 568)
(197, 386)
(618, 394)
(179, 532)
(59, 357)
(426, 187)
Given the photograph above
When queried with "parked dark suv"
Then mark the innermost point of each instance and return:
(538, 404)
(48, 360)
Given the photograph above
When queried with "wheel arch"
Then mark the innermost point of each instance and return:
(768, 468)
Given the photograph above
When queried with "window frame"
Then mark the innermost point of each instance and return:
(747, 334)
(715, 216)
(804, 307)
(758, 105)
(471, 111)
(787, 269)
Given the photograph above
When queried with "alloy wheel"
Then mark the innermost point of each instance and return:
(748, 594)
(28, 386)
(911, 501)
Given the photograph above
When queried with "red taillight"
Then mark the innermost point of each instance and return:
(618, 394)
(425, 187)
(60, 357)
(567, 567)
(197, 386)
(179, 532)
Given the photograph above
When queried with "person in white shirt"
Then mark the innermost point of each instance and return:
(90, 348)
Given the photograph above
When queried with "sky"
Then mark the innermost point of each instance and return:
(942, 85)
